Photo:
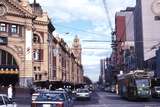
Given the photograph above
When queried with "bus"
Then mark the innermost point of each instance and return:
(133, 85)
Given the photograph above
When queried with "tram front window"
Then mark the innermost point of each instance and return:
(142, 83)
(143, 86)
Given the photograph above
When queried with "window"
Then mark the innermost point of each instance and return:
(36, 39)
(36, 77)
(40, 77)
(38, 54)
(1, 101)
(34, 68)
(38, 68)
(14, 28)
(3, 27)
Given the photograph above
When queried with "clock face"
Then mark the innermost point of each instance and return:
(156, 7)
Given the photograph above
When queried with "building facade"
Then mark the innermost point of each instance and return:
(124, 22)
(147, 30)
(29, 52)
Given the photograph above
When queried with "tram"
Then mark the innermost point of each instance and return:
(133, 85)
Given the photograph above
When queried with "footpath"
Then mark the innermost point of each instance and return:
(22, 96)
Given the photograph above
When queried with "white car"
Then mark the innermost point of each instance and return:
(5, 102)
(83, 94)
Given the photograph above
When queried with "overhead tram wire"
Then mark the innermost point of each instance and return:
(120, 41)
(81, 30)
(95, 48)
(95, 41)
(105, 6)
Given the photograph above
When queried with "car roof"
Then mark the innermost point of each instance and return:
(54, 92)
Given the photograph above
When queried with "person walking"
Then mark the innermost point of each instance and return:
(10, 92)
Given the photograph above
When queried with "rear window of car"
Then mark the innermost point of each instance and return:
(51, 97)
(83, 91)
(7, 101)
(1, 101)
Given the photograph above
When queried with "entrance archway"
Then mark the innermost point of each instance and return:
(9, 69)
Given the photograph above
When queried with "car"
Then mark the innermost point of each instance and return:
(52, 99)
(6, 102)
(34, 96)
(83, 94)
(156, 91)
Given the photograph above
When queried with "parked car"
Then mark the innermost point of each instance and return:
(53, 99)
(34, 96)
(83, 94)
(156, 91)
(5, 102)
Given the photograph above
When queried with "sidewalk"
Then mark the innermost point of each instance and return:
(22, 96)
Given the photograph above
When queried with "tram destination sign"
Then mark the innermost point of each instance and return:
(3, 40)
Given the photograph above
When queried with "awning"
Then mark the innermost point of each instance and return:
(8, 72)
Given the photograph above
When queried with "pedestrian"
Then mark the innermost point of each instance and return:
(10, 92)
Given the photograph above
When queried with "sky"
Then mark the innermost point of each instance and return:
(88, 20)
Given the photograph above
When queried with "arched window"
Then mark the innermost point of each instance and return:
(36, 39)
(7, 61)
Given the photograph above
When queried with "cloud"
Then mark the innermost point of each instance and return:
(88, 20)
(70, 10)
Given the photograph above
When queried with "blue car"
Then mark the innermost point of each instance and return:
(53, 99)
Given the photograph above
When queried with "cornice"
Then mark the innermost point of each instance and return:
(24, 13)
(40, 22)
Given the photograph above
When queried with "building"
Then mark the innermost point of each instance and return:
(146, 32)
(103, 71)
(16, 30)
(29, 52)
(124, 23)
(157, 71)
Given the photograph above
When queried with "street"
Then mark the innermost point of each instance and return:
(100, 99)
(103, 99)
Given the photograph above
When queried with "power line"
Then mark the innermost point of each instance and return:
(95, 48)
(81, 30)
(107, 14)
(122, 41)
(95, 41)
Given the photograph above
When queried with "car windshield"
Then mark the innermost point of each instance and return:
(1, 101)
(142, 82)
(51, 97)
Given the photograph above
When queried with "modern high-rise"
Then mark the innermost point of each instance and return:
(147, 23)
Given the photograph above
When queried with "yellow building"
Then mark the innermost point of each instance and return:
(28, 50)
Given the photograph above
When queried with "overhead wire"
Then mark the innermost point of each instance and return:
(77, 29)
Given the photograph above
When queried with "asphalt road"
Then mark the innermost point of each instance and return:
(99, 99)
(103, 99)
